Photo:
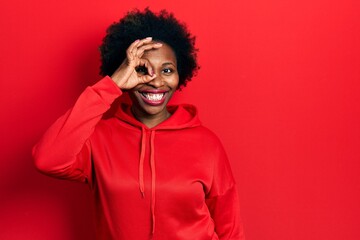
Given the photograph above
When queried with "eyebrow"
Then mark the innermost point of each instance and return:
(168, 63)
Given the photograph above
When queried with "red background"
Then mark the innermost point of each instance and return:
(279, 84)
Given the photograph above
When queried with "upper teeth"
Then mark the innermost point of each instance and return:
(153, 96)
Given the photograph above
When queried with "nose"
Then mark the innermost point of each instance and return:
(157, 82)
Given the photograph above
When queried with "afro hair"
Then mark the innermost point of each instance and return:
(163, 27)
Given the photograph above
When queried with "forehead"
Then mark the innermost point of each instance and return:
(161, 55)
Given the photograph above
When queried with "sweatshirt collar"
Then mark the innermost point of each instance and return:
(182, 116)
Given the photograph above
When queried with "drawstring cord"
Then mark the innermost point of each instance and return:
(153, 179)
(153, 171)
(141, 162)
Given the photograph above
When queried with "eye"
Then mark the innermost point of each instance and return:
(167, 71)
(141, 70)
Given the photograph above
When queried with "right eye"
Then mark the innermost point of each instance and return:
(141, 70)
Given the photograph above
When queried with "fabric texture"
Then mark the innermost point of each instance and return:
(172, 181)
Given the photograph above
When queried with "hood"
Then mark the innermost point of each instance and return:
(182, 117)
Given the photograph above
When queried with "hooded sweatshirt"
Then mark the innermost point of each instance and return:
(169, 182)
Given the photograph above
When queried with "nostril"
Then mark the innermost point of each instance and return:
(157, 82)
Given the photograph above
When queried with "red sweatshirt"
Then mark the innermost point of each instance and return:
(169, 182)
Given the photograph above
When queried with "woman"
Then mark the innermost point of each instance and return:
(154, 170)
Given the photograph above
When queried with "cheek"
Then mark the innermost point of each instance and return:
(174, 81)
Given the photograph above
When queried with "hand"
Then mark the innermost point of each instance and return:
(126, 76)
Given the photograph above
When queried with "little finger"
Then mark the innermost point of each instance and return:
(132, 47)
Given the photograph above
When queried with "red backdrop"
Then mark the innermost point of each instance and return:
(279, 84)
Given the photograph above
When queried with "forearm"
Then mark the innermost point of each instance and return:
(225, 212)
(64, 142)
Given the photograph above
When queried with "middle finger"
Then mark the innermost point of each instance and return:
(142, 49)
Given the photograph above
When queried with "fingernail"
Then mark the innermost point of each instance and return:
(137, 40)
(148, 38)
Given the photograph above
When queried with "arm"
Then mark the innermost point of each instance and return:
(223, 202)
(64, 150)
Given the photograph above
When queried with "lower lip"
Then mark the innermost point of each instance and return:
(153, 103)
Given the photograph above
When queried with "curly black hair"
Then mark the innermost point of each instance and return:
(163, 27)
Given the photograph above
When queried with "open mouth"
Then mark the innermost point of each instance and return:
(153, 99)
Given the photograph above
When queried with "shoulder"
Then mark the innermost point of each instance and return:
(113, 127)
(205, 136)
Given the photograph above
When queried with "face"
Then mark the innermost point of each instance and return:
(150, 99)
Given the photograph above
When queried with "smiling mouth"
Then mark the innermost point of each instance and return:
(153, 96)
(153, 99)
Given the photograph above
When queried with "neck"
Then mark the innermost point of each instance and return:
(150, 120)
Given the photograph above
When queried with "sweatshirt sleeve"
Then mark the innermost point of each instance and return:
(64, 150)
(223, 202)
